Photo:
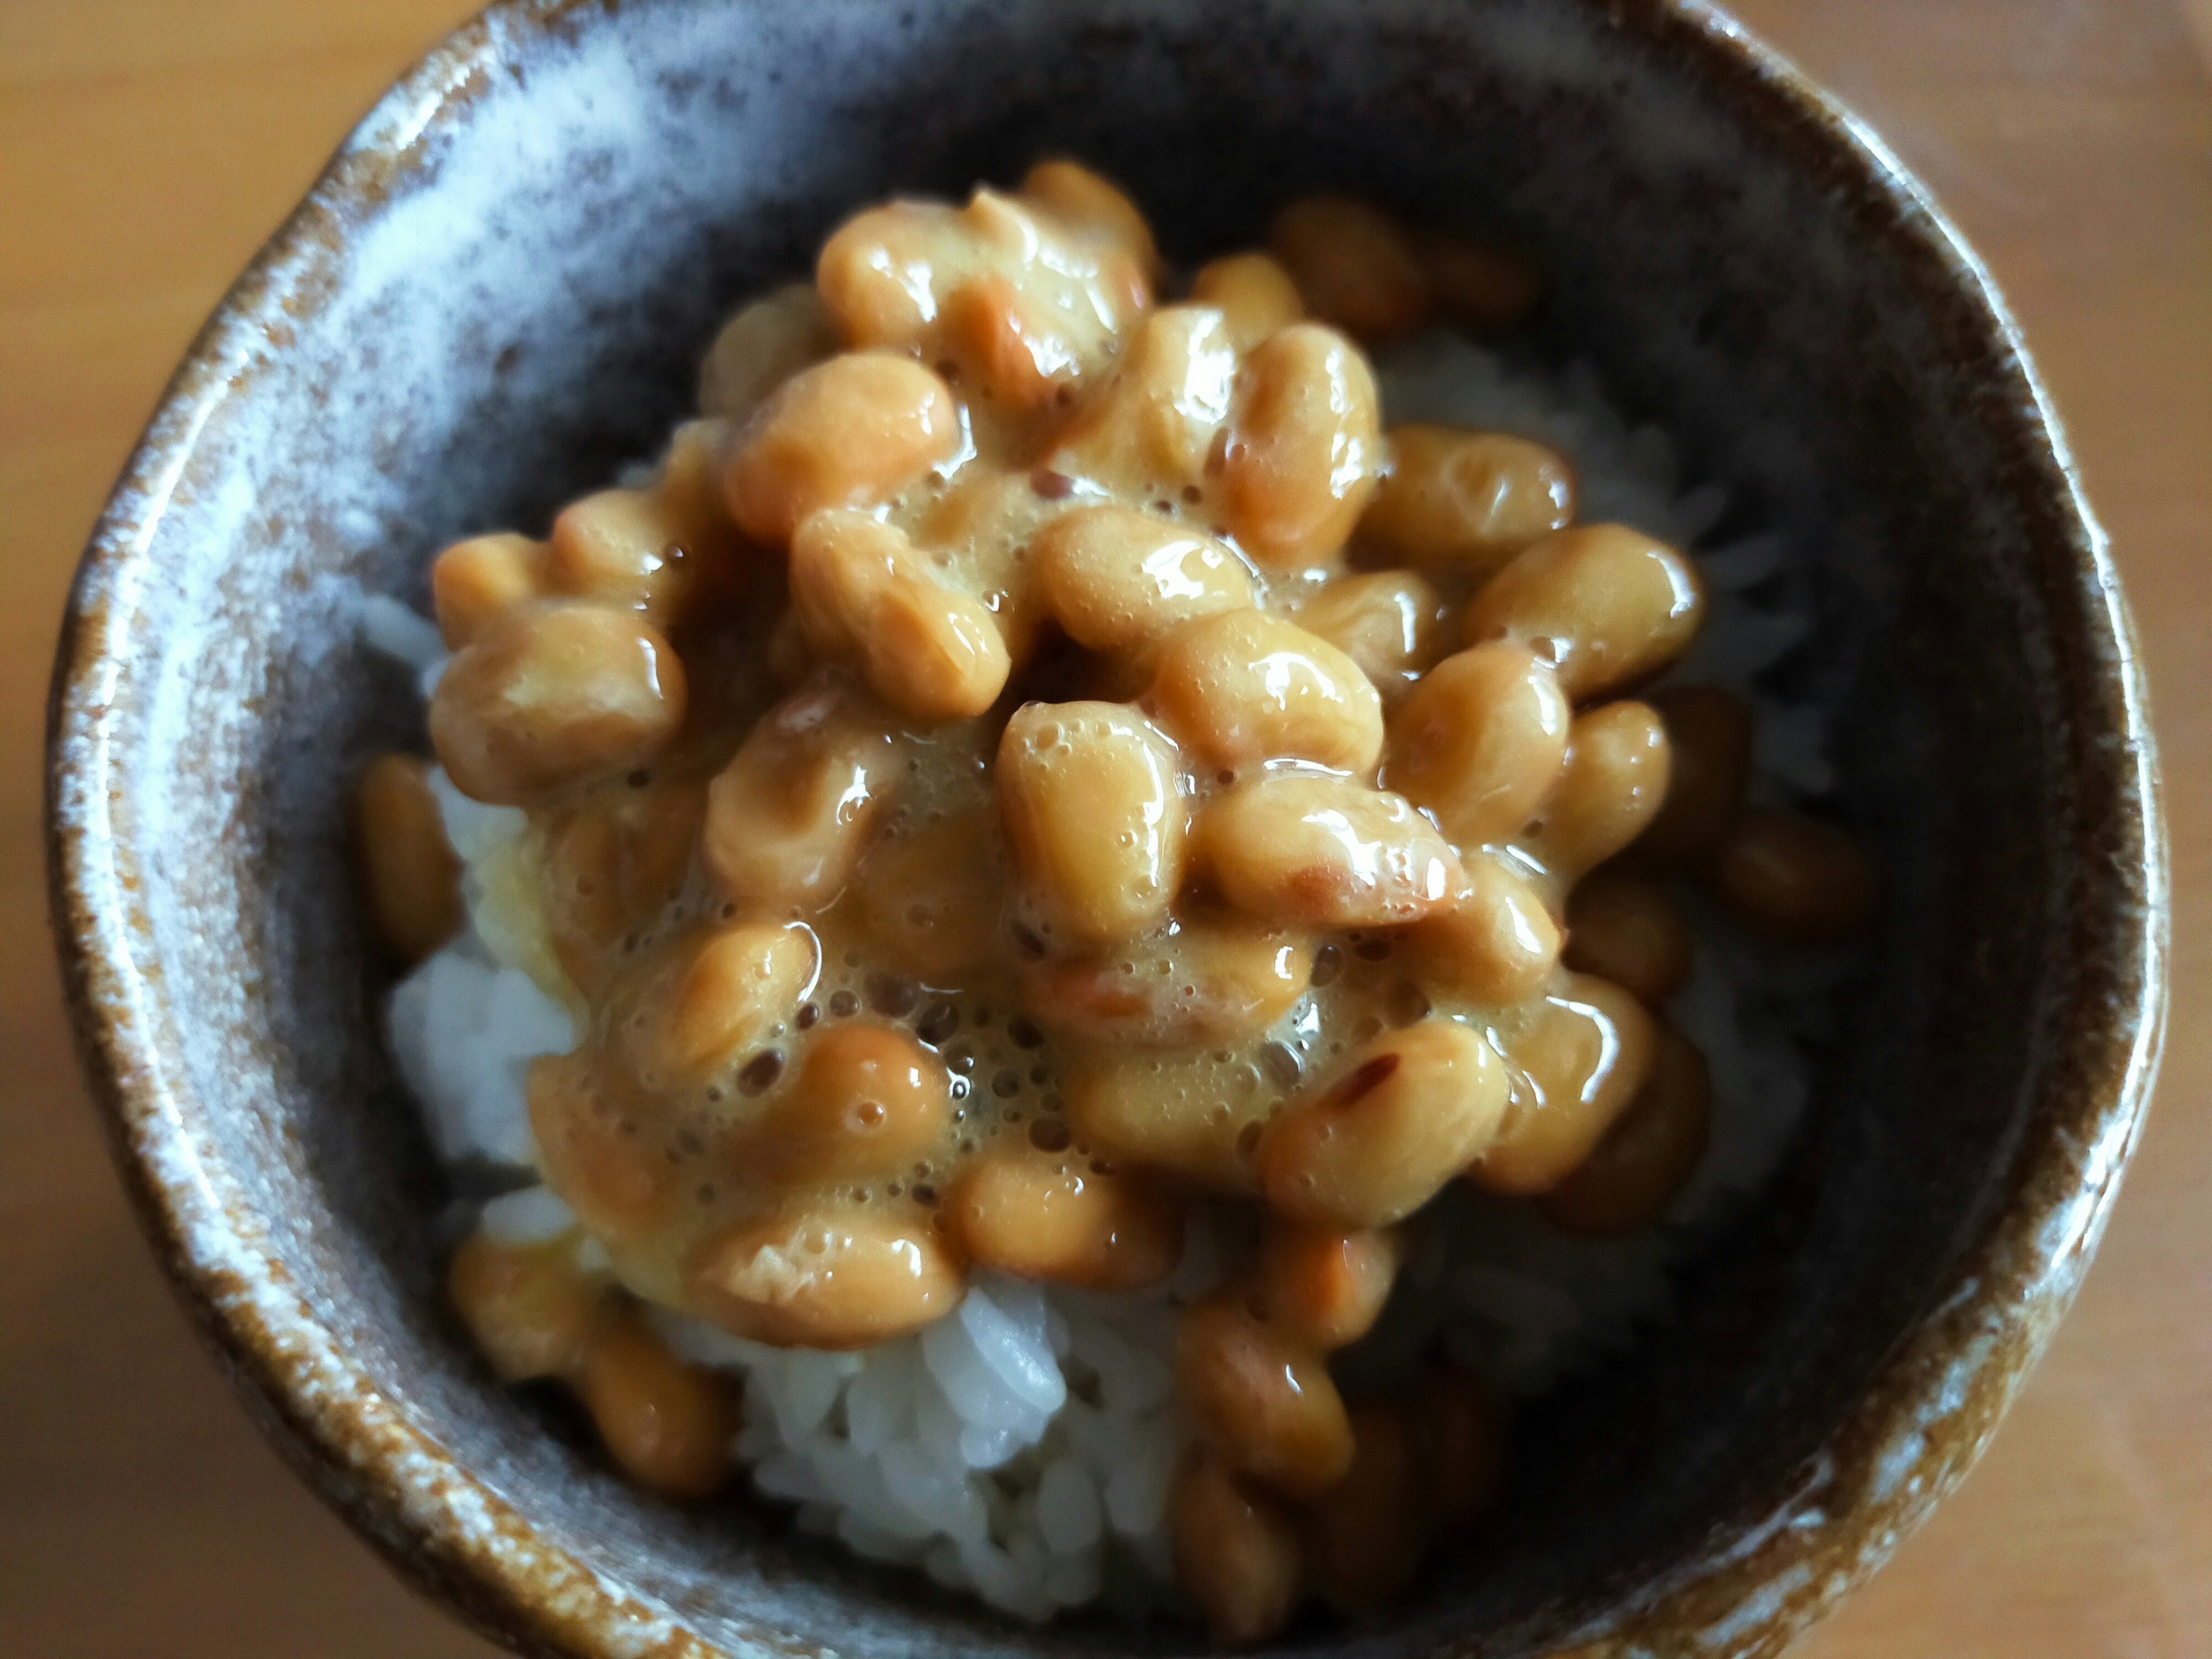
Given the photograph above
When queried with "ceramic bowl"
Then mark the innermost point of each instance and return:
(495, 293)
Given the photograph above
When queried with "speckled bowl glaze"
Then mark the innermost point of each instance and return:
(495, 292)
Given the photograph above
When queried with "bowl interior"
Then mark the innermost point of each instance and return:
(497, 299)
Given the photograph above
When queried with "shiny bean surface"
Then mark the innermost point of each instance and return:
(762, 345)
(1210, 979)
(1496, 943)
(614, 862)
(1263, 1401)
(1627, 930)
(1051, 1216)
(621, 548)
(1632, 1175)
(789, 817)
(1326, 1285)
(1304, 448)
(688, 490)
(1243, 687)
(713, 999)
(528, 1307)
(1094, 206)
(1797, 877)
(667, 1424)
(1120, 581)
(1306, 849)
(849, 432)
(410, 876)
(1236, 1551)
(1088, 794)
(835, 1278)
(1025, 295)
(1184, 1115)
(1152, 434)
(1606, 604)
(885, 272)
(930, 898)
(1391, 622)
(868, 1101)
(1582, 1061)
(1406, 1113)
(1610, 788)
(589, 1127)
(1002, 339)
(973, 535)
(1353, 265)
(1480, 741)
(1253, 294)
(863, 596)
(1466, 499)
(555, 695)
(474, 582)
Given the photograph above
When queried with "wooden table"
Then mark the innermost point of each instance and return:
(148, 146)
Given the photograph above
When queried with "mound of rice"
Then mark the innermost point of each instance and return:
(1021, 1448)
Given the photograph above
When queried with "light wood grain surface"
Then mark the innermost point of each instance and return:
(148, 146)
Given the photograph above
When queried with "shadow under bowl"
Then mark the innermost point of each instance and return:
(495, 295)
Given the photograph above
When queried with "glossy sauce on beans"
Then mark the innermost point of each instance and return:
(1005, 775)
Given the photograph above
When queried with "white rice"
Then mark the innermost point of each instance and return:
(1021, 1448)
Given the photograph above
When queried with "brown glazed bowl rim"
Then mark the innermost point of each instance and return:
(457, 1538)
